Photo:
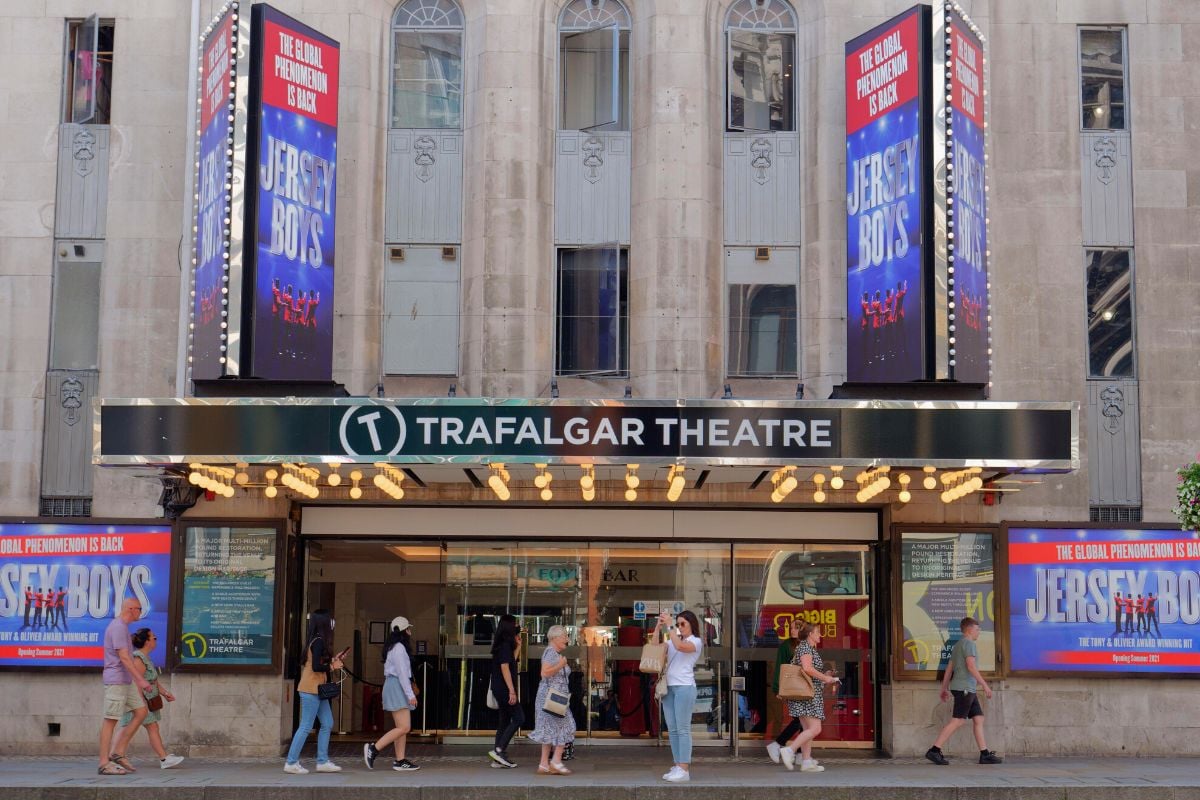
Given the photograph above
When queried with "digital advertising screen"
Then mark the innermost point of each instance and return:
(886, 156)
(970, 243)
(228, 596)
(1104, 600)
(217, 54)
(290, 230)
(61, 585)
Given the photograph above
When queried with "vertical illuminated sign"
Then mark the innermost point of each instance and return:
(290, 233)
(214, 168)
(886, 199)
(966, 200)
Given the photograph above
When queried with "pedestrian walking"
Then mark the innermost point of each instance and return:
(810, 713)
(506, 648)
(144, 641)
(319, 661)
(552, 732)
(399, 697)
(123, 687)
(684, 646)
(962, 680)
(787, 648)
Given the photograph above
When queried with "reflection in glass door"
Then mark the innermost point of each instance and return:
(828, 585)
(607, 598)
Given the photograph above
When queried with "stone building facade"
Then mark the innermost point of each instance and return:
(1044, 166)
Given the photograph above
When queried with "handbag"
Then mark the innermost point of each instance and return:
(329, 690)
(654, 658)
(154, 703)
(660, 688)
(491, 700)
(557, 703)
(795, 683)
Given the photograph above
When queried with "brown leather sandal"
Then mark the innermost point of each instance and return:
(110, 768)
(123, 762)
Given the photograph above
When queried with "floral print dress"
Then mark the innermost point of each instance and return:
(549, 729)
(815, 707)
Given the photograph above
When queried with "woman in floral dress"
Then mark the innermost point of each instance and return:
(809, 712)
(551, 732)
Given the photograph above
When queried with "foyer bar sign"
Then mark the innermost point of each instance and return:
(1035, 435)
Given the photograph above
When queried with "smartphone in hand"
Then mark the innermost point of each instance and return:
(342, 655)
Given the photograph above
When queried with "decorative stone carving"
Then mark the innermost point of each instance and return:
(83, 151)
(70, 394)
(593, 158)
(1112, 402)
(760, 159)
(425, 147)
(1106, 151)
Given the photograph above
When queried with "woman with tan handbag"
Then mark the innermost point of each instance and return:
(809, 712)
(554, 725)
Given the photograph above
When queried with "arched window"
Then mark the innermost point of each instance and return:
(761, 56)
(427, 64)
(593, 59)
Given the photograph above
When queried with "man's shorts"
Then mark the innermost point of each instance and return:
(121, 697)
(966, 705)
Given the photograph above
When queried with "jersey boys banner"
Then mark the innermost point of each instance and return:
(211, 253)
(1101, 600)
(968, 247)
(291, 225)
(61, 585)
(885, 162)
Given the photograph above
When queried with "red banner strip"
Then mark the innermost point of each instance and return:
(1064, 553)
(1123, 658)
(84, 544)
(40, 651)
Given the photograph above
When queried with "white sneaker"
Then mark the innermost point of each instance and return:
(328, 766)
(667, 775)
(170, 761)
(811, 765)
(773, 751)
(294, 769)
(679, 776)
(788, 756)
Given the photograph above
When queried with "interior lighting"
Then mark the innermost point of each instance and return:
(355, 492)
(905, 494)
(588, 479)
(543, 478)
(496, 481)
(631, 477)
(631, 495)
(675, 482)
(547, 495)
(271, 491)
(930, 481)
(836, 481)
(334, 478)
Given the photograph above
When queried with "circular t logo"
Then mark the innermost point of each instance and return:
(372, 431)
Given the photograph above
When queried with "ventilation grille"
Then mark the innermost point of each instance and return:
(1115, 514)
(66, 507)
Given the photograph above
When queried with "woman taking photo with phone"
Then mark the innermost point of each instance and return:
(319, 660)
(399, 697)
(684, 646)
(552, 731)
(809, 712)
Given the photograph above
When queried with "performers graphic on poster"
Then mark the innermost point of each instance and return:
(968, 213)
(1102, 600)
(60, 586)
(295, 201)
(884, 215)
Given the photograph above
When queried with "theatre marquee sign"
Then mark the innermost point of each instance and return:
(1019, 436)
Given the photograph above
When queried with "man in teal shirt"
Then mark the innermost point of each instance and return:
(962, 680)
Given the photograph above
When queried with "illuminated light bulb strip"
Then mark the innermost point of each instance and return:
(296, 477)
(784, 481)
(963, 483)
(271, 492)
(356, 493)
(905, 494)
(542, 481)
(676, 480)
(930, 481)
(388, 479)
(498, 481)
(587, 482)
(198, 476)
(874, 481)
(334, 478)
(836, 482)
(819, 494)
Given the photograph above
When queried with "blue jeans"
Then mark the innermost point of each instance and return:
(312, 708)
(677, 708)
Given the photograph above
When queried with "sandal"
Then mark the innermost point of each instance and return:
(112, 769)
(123, 762)
(543, 770)
(559, 769)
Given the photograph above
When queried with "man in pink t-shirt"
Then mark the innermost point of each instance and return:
(123, 687)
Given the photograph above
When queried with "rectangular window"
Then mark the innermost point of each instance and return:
(1102, 78)
(593, 312)
(1110, 321)
(87, 93)
(760, 83)
(427, 79)
(75, 316)
(762, 311)
(944, 577)
(595, 80)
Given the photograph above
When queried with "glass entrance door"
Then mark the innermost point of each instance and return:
(827, 585)
(607, 598)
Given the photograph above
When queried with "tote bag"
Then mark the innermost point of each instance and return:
(654, 658)
(557, 703)
(794, 683)
(491, 700)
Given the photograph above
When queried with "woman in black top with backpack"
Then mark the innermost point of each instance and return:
(506, 647)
